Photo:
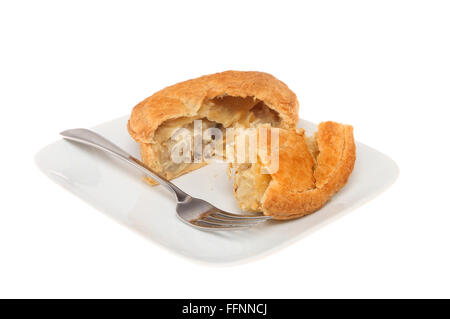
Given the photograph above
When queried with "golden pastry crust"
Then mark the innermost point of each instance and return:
(302, 185)
(185, 99)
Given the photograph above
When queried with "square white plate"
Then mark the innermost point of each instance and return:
(118, 191)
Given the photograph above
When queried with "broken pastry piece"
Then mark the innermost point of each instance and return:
(310, 171)
(221, 100)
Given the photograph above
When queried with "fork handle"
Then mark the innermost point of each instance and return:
(93, 139)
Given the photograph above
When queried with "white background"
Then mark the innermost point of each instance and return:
(382, 66)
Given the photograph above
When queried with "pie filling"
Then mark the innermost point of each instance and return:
(221, 113)
(249, 186)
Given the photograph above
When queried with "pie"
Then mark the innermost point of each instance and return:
(222, 100)
(310, 169)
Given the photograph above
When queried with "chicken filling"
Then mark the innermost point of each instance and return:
(220, 113)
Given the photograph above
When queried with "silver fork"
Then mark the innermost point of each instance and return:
(193, 211)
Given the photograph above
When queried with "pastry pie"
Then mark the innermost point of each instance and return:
(310, 171)
(221, 100)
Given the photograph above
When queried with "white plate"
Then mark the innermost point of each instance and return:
(118, 191)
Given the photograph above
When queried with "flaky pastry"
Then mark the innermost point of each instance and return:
(310, 171)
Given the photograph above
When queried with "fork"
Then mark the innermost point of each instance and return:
(193, 211)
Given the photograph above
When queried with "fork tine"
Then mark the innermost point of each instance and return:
(242, 216)
(215, 217)
(228, 224)
(212, 225)
(218, 221)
